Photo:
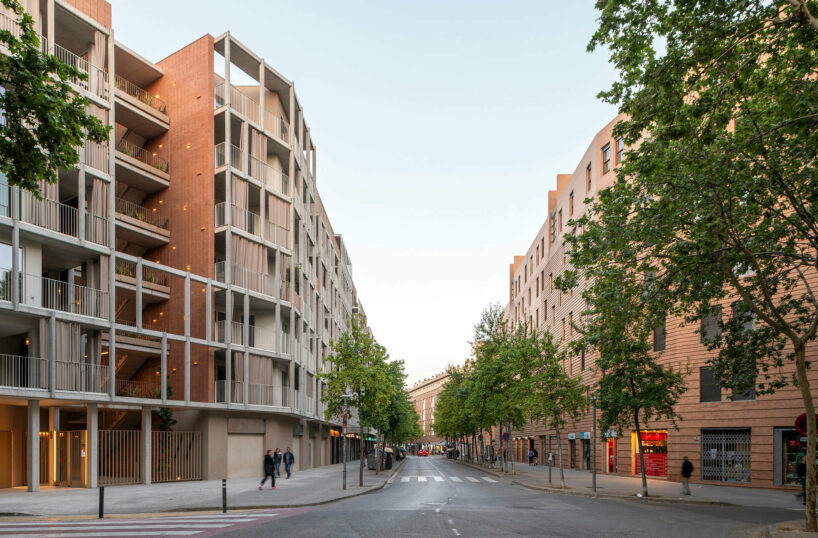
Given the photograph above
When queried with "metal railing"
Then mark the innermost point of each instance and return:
(48, 214)
(220, 98)
(6, 286)
(71, 298)
(236, 391)
(140, 213)
(275, 179)
(278, 235)
(149, 274)
(245, 278)
(23, 372)
(7, 24)
(140, 94)
(236, 160)
(176, 456)
(260, 394)
(138, 389)
(97, 81)
(276, 125)
(244, 104)
(142, 155)
(81, 377)
(120, 457)
(97, 156)
(284, 342)
(96, 229)
(236, 336)
(241, 218)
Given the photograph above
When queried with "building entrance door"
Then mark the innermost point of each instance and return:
(5, 459)
(611, 448)
(572, 449)
(71, 455)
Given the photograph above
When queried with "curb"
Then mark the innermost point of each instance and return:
(589, 495)
(218, 509)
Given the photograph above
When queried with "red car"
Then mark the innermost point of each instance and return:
(423, 452)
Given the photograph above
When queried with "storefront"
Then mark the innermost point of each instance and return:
(726, 455)
(790, 448)
(336, 446)
(610, 455)
(585, 438)
(654, 447)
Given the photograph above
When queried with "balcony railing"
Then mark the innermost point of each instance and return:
(71, 298)
(97, 81)
(7, 24)
(23, 372)
(236, 160)
(140, 94)
(149, 274)
(97, 156)
(277, 125)
(142, 155)
(275, 179)
(258, 394)
(245, 278)
(237, 336)
(236, 391)
(138, 389)
(48, 214)
(278, 235)
(242, 219)
(82, 377)
(140, 213)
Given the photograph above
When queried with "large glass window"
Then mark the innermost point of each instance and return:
(709, 389)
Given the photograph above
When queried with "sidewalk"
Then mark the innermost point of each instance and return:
(305, 488)
(627, 487)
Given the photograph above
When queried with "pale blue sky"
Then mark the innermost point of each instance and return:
(440, 126)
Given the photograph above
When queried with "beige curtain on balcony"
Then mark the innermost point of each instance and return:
(278, 211)
(45, 212)
(258, 145)
(249, 261)
(100, 61)
(69, 353)
(97, 228)
(261, 370)
(238, 369)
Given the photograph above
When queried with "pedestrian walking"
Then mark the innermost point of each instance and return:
(277, 461)
(687, 470)
(269, 470)
(289, 459)
(536, 457)
(801, 471)
(530, 456)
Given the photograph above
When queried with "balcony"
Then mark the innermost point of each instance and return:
(23, 372)
(239, 102)
(42, 292)
(236, 391)
(277, 125)
(56, 217)
(155, 287)
(244, 278)
(97, 156)
(141, 168)
(140, 95)
(258, 394)
(97, 78)
(140, 225)
(278, 235)
(266, 174)
(236, 160)
(241, 218)
(82, 377)
(237, 333)
(138, 389)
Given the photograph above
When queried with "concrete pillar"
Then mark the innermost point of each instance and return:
(146, 445)
(53, 428)
(33, 442)
(92, 444)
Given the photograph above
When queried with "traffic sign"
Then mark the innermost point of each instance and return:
(801, 423)
(506, 436)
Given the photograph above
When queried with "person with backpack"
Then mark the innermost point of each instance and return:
(269, 470)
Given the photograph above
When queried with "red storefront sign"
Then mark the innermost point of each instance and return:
(654, 448)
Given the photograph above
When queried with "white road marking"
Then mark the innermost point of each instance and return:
(134, 533)
(455, 479)
(455, 532)
(451, 522)
(421, 479)
(472, 479)
(437, 510)
(438, 479)
(68, 527)
(404, 479)
(487, 479)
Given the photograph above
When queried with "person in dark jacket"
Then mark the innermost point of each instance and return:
(269, 470)
(687, 470)
(277, 460)
(289, 459)
(801, 471)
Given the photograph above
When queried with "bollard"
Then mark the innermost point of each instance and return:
(224, 495)
(101, 501)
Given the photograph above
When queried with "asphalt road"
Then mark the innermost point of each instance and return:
(436, 497)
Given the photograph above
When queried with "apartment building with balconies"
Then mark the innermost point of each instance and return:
(187, 265)
(737, 439)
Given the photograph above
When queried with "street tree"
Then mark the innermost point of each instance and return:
(358, 368)
(719, 200)
(44, 120)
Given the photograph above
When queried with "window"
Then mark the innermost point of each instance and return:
(563, 253)
(742, 314)
(538, 318)
(529, 296)
(545, 310)
(606, 158)
(542, 246)
(542, 279)
(582, 359)
(709, 389)
(559, 222)
(553, 314)
(525, 274)
(537, 286)
(559, 297)
(659, 338)
(571, 205)
(570, 324)
(531, 266)
(588, 179)
(726, 455)
(620, 149)
(747, 395)
(551, 283)
(710, 329)
(563, 328)
(553, 227)
(538, 253)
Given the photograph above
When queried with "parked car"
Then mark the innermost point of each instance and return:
(423, 452)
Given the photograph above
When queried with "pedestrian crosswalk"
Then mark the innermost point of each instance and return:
(195, 525)
(440, 478)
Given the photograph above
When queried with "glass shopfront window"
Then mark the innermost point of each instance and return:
(790, 449)
(654, 446)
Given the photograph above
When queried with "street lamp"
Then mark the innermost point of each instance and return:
(345, 397)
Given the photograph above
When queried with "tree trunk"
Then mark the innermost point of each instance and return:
(641, 454)
(502, 453)
(362, 449)
(482, 447)
(550, 459)
(512, 457)
(379, 466)
(559, 448)
(809, 409)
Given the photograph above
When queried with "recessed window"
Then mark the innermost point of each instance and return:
(570, 324)
(710, 329)
(582, 358)
(571, 205)
(553, 220)
(659, 338)
(743, 315)
(709, 389)
(559, 222)
(563, 328)
(588, 179)
(620, 150)
(606, 158)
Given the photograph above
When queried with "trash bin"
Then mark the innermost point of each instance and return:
(388, 459)
(371, 461)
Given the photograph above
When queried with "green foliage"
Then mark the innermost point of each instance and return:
(43, 118)
(166, 420)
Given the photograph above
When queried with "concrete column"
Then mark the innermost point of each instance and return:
(53, 428)
(246, 328)
(52, 353)
(146, 445)
(92, 444)
(163, 368)
(187, 337)
(81, 211)
(15, 267)
(291, 376)
(33, 442)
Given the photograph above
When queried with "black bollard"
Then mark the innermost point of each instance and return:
(101, 501)
(224, 496)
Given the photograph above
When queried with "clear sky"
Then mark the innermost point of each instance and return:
(440, 126)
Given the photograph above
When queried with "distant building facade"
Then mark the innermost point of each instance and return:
(424, 396)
